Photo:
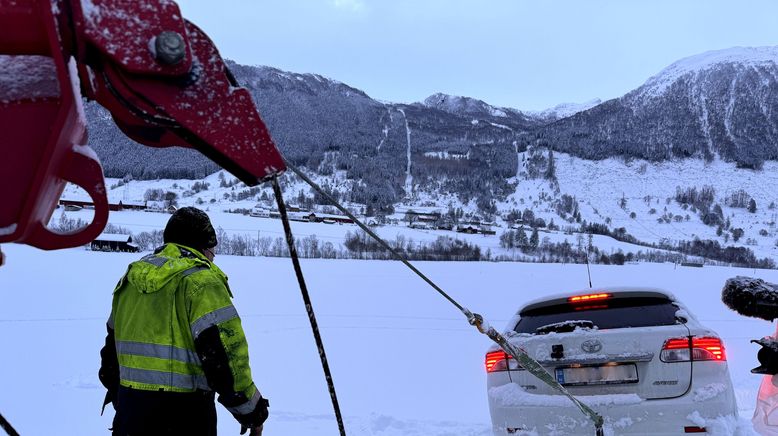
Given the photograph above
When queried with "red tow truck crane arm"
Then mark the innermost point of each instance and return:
(160, 77)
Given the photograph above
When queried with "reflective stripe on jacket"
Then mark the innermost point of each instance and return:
(161, 306)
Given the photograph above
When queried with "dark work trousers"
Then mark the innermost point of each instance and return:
(152, 413)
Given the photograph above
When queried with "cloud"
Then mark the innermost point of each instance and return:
(351, 5)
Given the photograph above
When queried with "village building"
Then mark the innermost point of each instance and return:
(114, 242)
(260, 212)
(73, 205)
(316, 217)
(159, 206)
(468, 227)
(132, 205)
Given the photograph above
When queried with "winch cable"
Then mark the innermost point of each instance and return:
(476, 320)
(7, 427)
(308, 306)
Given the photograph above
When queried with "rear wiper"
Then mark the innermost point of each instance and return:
(564, 327)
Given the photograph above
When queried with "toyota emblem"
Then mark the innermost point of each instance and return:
(591, 346)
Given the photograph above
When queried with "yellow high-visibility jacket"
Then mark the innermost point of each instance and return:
(175, 329)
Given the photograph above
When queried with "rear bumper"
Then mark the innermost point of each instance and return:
(516, 412)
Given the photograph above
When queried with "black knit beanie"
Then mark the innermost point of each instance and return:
(190, 226)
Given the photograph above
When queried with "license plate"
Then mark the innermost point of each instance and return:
(597, 375)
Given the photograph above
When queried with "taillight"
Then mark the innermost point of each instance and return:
(588, 297)
(677, 350)
(501, 361)
(497, 361)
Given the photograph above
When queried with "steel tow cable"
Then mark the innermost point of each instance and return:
(476, 320)
(7, 427)
(308, 306)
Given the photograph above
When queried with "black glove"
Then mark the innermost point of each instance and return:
(256, 418)
(110, 397)
(255, 431)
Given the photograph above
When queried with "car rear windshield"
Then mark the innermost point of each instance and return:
(611, 314)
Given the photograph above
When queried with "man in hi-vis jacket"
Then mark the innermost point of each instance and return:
(174, 339)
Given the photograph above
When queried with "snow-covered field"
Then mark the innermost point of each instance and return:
(254, 227)
(404, 361)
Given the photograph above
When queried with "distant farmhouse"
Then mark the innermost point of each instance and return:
(260, 212)
(316, 217)
(422, 220)
(468, 227)
(297, 213)
(474, 227)
(114, 242)
(71, 204)
(131, 205)
(159, 206)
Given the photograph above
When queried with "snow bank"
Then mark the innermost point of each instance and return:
(511, 395)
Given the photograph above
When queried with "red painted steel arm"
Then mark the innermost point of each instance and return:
(161, 78)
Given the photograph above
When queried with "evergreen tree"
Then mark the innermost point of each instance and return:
(171, 198)
(752, 206)
(534, 239)
(506, 239)
(410, 217)
(521, 238)
(550, 168)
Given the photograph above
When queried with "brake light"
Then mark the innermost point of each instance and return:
(497, 361)
(588, 297)
(709, 348)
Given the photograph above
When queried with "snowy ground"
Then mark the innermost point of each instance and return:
(404, 361)
(599, 187)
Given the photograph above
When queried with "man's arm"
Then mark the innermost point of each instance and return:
(109, 368)
(221, 345)
(246, 405)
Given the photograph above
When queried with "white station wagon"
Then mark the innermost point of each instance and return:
(635, 355)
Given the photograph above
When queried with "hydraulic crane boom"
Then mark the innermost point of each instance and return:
(160, 77)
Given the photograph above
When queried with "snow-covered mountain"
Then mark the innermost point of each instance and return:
(564, 110)
(472, 107)
(713, 110)
(759, 58)
(714, 104)
(719, 103)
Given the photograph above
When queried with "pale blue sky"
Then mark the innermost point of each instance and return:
(526, 55)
